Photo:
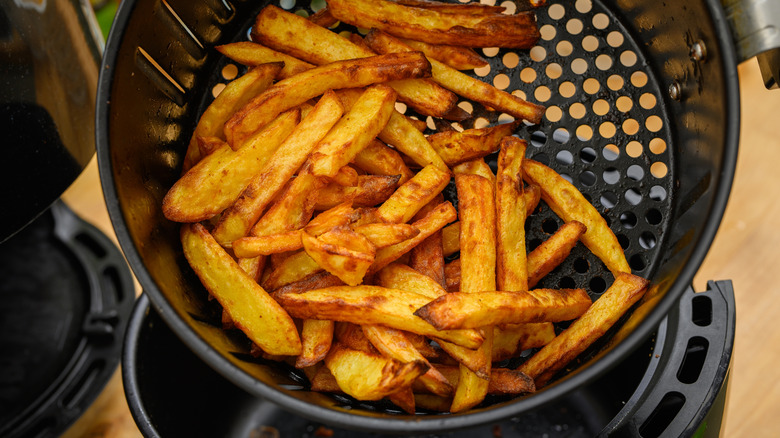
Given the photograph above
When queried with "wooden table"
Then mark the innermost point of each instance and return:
(746, 250)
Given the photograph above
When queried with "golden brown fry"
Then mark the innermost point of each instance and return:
(354, 131)
(398, 276)
(452, 275)
(470, 8)
(251, 54)
(234, 96)
(458, 310)
(346, 176)
(371, 305)
(502, 380)
(462, 84)
(317, 280)
(473, 360)
(420, 125)
(207, 146)
(316, 338)
(605, 311)
(303, 86)
(457, 147)
(570, 205)
(369, 191)
(450, 239)
(338, 216)
(512, 339)
(381, 235)
(476, 167)
(294, 268)
(323, 18)
(342, 252)
(237, 220)
(436, 27)
(457, 57)
(218, 180)
(378, 159)
(299, 37)
(252, 310)
(249, 247)
(413, 195)
(511, 270)
(442, 215)
(404, 399)
(366, 376)
(352, 336)
(477, 213)
(553, 251)
(293, 207)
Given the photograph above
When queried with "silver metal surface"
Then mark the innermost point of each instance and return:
(755, 25)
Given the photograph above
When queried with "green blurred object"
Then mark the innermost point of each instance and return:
(105, 12)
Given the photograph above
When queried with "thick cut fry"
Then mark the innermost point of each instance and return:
(436, 27)
(458, 147)
(352, 336)
(294, 268)
(248, 247)
(237, 220)
(381, 235)
(323, 18)
(452, 276)
(251, 54)
(317, 280)
(624, 292)
(218, 180)
(471, 360)
(299, 88)
(476, 167)
(338, 216)
(477, 213)
(372, 305)
(511, 269)
(502, 380)
(207, 146)
(553, 251)
(512, 339)
(404, 399)
(234, 96)
(570, 205)
(370, 190)
(459, 58)
(378, 159)
(354, 132)
(442, 215)
(370, 377)
(428, 257)
(462, 84)
(299, 37)
(413, 195)
(458, 310)
(293, 208)
(398, 276)
(250, 308)
(470, 8)
(393, 343)
(346, 176)
(316, 338)
(342, 252)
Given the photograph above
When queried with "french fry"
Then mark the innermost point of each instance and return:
(378, 159)
(553, 251)
(428, 257)
(342, 252)
(469, 8)
(370, 377)
(218, 180)
(249, 247)
(477, 213)
(512, 339)
(346, 176)
(511, 269)
(338, 216)
(502, 380)
(437, 27)
(354, 131)
(369, 191)
(293, 207)
(459, 310)
(301, 87)
(299, 37)
(381, 235)
(442, 215)
(459, 58)
(404, 399)
(323, 18)
(207, 146)
(237, 220)
(235, 95)
(420, 125)
(252, 54)
(462, 84)
(352, 336)
(250, 308)
(398, 276)
(317, 280)
(294, 268)
(476, 167)
(371, 305)
(624, 292)
(452, 276)
(457, 147)
(570, 205)
(472, 360)
(316, 339)
(413, 195)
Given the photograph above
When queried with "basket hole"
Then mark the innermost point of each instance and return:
(549, 226)
(579, 66)
(520, 94)
(466, 106)
(229, 72)
(634, 149)
(628, 220)
(547, 32)
(581, 265)
(588, 178)
(217, 89)
(598, 285)
(654, 123)
(600, 21)
(538, 139)
(590, 43)
(481, 122)
(633, 196)
(653, 216)
(693, 360)
(564, 157)
(624, 104)
(561, 135)
(553, 113)
(583, 6)
(639, 79)
(556, 12)
(542, 94)
(600, 107)
(588, 155)
(510, 60)
(657, 146)
(701, 308)
(316, 5)
(509, 7)
(567, 283)
(533, 244)
(554, 70)
(611, 175)
(637, 262)
(574, 26)
(623, 241)
(647, 101)
(608, 199)
(584, 132)
(400, 107)
(591, 86)
(635, 172)
(528, 75)
(657, 193)
(604, 62)
(647, 240)
(615, 39)
(490, 51)
(662, 416)
(482, 71)
(505, 118)
(567, 89)
(658, 169)
(630, 126)
(628, 58)
(607, 129)
(538, 53)
(615, 82)
(611, 152)
(501, 81)
(568, 178)
(564, 48)
(577, 110)
(542, 158)
(287, 4)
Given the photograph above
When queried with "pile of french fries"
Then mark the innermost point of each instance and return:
(313, 212)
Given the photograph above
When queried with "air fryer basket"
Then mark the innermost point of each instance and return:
(645, 126)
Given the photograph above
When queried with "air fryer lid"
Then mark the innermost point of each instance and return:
(659, 170)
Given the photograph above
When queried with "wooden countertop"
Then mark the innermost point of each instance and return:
(746, 250)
